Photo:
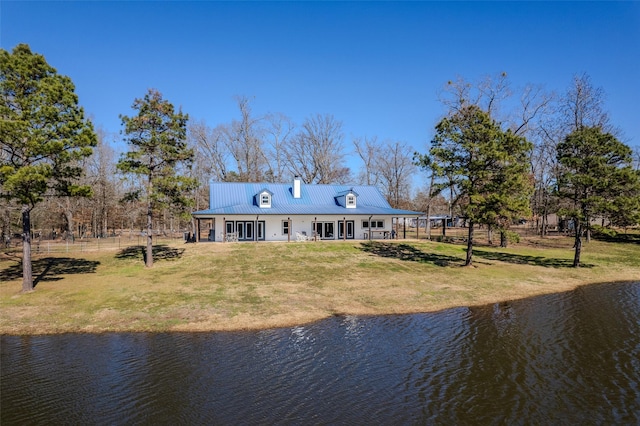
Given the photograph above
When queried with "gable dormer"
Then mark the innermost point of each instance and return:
(347, 199)
(263, 199)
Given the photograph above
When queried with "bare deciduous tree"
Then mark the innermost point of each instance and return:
(244, 139)
(583, 106)
(100, 172)
(636, 158)
(316, 153)
(369, 150)
(278, 132)
(488, 93)
(395, 168)
(210, 150)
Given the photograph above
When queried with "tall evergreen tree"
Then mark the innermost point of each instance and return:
(157, 151)
(43, 135)
(509, 192)
(480, 159)
(596, 178)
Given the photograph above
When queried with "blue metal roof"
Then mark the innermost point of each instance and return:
(236, 198)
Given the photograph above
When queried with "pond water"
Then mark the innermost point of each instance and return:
(569, 358)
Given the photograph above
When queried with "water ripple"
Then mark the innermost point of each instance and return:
(571, 358)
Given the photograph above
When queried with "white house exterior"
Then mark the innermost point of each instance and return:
(288, 212)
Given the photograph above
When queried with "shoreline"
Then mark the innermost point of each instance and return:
(268, 325)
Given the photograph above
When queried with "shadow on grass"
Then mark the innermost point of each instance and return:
(521, 259)
(50, 269)
(408, 253)
(160, 252)
(618, 238)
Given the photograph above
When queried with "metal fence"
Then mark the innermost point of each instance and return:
(42, 246)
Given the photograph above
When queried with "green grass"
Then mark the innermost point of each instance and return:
(247, 285)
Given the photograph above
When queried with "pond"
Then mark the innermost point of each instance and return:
(568, 358)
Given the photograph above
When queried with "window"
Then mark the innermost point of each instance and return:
(285, 227)
(351, 200)
(265, 199)
(375, 224)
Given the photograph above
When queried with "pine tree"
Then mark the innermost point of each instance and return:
(43, 135)
(596, 178)
(487, 165)
(157, 154)
(509, 192)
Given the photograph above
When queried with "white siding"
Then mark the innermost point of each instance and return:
(273, 224)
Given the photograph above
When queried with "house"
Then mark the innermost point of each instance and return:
(285, 212)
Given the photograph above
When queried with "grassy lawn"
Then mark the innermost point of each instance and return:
(213, 286)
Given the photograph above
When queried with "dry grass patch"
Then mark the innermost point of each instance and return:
(204, 287)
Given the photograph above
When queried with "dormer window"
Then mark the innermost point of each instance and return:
(347, 199)
(264, 199)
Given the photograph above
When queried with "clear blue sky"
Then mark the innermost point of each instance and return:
(377, 66)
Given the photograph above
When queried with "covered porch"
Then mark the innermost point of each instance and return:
(296, 228)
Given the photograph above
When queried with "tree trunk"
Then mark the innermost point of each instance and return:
(68, 216)
(577, 244)
(6, 224)
(545, 221)
(490, 235)
(503, 238)
(427, 224)
(469, 245)
(149, 256)
(27, 272)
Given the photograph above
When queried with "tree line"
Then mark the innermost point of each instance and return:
(497, 155)
(505, 155)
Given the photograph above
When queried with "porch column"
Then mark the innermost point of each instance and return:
(255, 231)
(370, 227)
(197, 230)
(344, 228)
(289, 228)
(224, 232)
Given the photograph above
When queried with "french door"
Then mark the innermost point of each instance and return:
(245, 230)
(350, 228)
(325, 230)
